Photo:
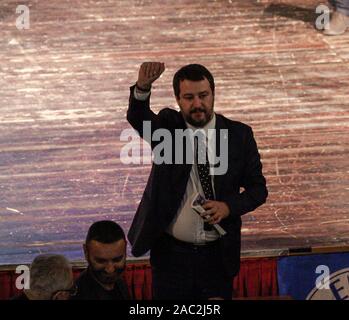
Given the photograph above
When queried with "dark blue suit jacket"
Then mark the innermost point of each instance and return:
(167, 183)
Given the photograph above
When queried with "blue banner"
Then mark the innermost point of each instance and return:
(314, 277)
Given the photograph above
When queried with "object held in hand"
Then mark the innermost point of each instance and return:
(196, 205)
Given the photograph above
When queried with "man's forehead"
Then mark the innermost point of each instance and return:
(117, 246)
(188, 86)
(108, 252)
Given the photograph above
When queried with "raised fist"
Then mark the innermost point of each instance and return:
(148, 73)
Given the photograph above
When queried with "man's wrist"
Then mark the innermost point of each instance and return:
(140, 94)
(143, 89)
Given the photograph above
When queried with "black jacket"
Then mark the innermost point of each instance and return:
(89, 289)
(167, 183)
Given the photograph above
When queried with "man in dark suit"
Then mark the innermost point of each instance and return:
(190, 259)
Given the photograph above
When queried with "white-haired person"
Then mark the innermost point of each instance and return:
(51, 278)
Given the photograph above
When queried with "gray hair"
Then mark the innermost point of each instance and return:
(50, 273)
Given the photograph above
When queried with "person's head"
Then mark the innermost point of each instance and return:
(105, 251)
(51, 278)
(194, 89)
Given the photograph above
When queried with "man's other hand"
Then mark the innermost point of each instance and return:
(215, 211)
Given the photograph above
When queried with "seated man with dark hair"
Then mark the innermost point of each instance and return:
(51, 278)
(105, 252)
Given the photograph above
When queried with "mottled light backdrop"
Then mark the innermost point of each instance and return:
(64, 86)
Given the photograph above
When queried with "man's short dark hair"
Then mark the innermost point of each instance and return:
(192, 72)
(105, 231)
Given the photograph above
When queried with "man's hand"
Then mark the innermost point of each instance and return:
(148, 73)
(215, 211)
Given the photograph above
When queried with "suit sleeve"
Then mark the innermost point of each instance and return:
(255, 191)
(139, 112)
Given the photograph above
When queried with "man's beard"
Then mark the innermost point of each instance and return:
(107, 278)
(199, 123)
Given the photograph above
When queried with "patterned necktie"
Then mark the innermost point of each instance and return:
(204, 174)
